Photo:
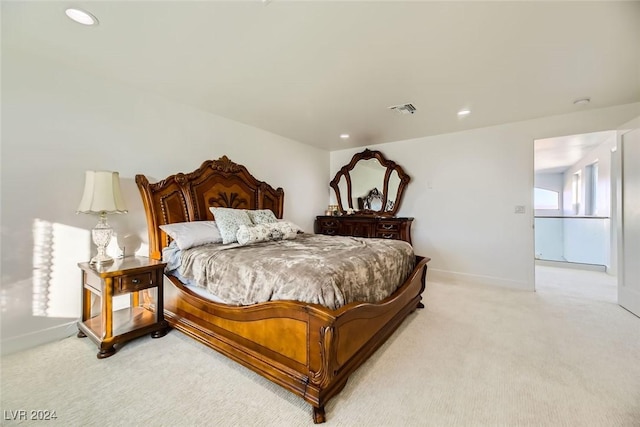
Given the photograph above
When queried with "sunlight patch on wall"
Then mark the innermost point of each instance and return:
(57, 248)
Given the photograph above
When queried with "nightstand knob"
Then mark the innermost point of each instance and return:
(135, 281)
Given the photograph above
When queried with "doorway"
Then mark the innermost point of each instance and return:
(575, 249)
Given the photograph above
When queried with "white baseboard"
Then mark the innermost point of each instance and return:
(455, 277)
(574, 265)
(34, 339)
(630, 299)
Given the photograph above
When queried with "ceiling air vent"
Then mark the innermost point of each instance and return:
(403, 109)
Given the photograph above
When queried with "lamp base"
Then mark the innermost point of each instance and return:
(100, 260)
(101, 235)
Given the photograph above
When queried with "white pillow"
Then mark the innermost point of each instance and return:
(228, 221)
(264, 232)
(194, 233)
(262, 216)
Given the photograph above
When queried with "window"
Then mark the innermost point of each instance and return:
(546, 199)
(576, 186)
(591, 189)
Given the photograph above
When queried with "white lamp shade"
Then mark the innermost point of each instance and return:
(102, 193)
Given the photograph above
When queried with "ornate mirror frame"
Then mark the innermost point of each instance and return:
(390, 167)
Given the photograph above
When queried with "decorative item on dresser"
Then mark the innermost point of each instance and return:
(365, 226)
(307, 348)
(374, 186)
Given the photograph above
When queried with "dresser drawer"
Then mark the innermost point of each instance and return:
(357, 229)
(133, 283)
(382, 234)
(364, 226)
(388, 226)
(328, 223)
(328, 226)
(329, 231)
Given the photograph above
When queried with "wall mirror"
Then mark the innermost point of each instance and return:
(370, 184)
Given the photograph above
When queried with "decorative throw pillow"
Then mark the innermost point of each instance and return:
(262, 216)
(295, 227)
(194, 233)
(228, 221)
(264, 232)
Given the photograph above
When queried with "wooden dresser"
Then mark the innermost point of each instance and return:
(365, 226)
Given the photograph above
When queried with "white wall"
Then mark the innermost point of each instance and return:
(466, 185)
(59, 122)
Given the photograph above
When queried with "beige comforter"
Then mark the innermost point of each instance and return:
(327, 270)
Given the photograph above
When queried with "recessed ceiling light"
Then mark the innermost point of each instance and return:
(464, 112)
(582, 101)
(81, 16)
(344, 135)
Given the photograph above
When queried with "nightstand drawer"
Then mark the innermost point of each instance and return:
(134, 282)
(94, 282)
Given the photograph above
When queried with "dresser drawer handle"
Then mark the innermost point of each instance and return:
(135, 281)
(388, 235)
(330, 223)
(387, 226)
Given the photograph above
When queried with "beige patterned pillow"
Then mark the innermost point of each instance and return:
(264, 232)
(262, 216)
(228, 221)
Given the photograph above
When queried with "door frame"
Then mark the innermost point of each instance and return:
(615, 222)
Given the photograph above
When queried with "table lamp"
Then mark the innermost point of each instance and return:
(101, 196)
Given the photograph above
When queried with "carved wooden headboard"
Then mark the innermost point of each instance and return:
(187, 197)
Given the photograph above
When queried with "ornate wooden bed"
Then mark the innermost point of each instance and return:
(306, 348)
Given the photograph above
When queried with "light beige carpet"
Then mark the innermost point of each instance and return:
(476, 356)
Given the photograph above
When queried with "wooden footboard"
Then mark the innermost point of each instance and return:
(306, 348)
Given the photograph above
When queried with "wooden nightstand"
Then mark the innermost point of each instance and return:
(130, 275)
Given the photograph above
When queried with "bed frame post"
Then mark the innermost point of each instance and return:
(152, 225)
(318, 415)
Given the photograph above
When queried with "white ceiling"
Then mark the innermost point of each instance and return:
(556, 155)
(311, 70)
